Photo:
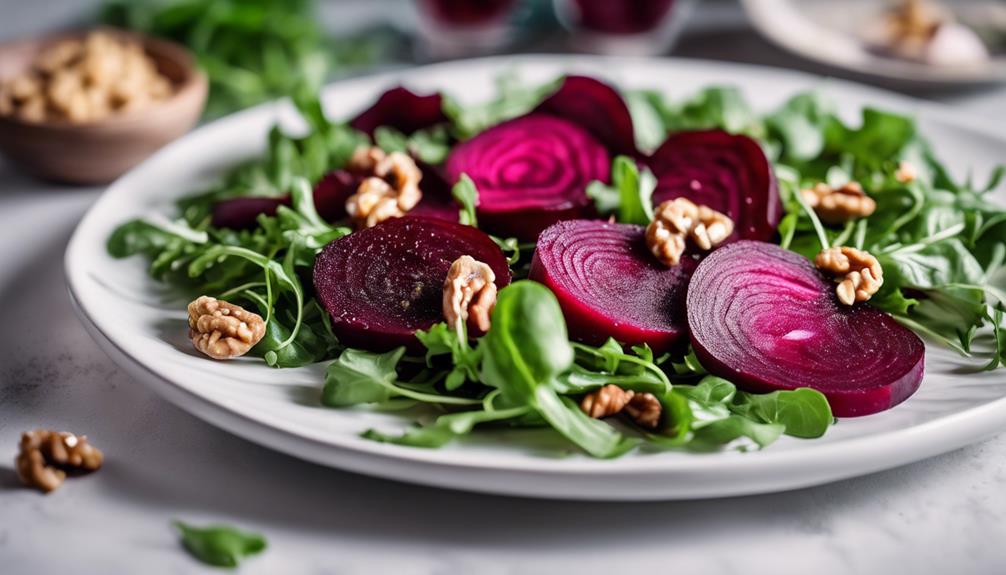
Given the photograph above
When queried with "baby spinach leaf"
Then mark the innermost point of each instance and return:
(220, 545)
(592, 435)
(527, 346)
(802, 412)
(359, 376)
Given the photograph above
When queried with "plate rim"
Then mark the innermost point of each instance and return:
(965, 427)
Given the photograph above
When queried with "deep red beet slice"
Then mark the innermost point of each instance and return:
(726, 172)
(609, 285)
(243, 213)
(403, 110)
(766, 319)
(330, 195)
(598, 108)
(530, 172)
(381, 284)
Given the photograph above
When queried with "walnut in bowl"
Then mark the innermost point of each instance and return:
(85, 107)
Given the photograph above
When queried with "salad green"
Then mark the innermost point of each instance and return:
(942, 243)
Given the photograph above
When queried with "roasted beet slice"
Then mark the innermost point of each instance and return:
(381, 284)
(403, 110)
(243, 213)
(330, 195)
(609, 285)
(598, 108)
(726, 172)
(530, 172)
(766, 319)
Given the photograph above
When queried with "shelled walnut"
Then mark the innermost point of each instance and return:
(839, 205)
(643, 408)
(46, 457)
(676, 220)
(857, 273)
(85, 79)
(223, 330)
(391, 190)
(469, 294)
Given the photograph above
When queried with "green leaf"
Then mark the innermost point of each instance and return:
(803, 412)
(466, 194)
(723, 431)
(220, 545)
(527, 346)
(446, 428)
(359, 376)
(592, 435)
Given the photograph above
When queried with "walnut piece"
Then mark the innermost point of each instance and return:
(391, 190)
(857, 273)
(839, 205)
(643, 408)
(223, 330)
(469, 294)
(906, 172)
(46, 456)
(676, 220)
(83, 80)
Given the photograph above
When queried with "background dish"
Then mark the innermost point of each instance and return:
(142, 327)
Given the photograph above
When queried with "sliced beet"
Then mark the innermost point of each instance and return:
(766, 319)
(403, 110)
(609, 285)
(243, 213)
(330, 195)
(598, 108)
(381, 284)
(530, 172)
(726, 172)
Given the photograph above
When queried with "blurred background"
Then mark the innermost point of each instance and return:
(253, 50)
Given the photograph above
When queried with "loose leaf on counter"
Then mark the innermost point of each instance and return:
(220, 545)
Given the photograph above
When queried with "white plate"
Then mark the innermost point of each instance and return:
(143, 330)
(829, 33)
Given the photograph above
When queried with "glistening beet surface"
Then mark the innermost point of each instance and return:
(766, 319)
(596, 107)
(403, 110)
(609, 285)
(381, 284)
(530, 172)
(726, 172)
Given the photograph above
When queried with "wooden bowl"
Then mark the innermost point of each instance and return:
(100, 151)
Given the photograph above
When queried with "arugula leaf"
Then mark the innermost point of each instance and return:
(802, 412)
(220, 545)
(629, 194)
(446, 428)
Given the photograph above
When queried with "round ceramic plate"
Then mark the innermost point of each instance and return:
(830, 32)
(141, 324)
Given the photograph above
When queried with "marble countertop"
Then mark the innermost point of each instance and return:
(943, 515)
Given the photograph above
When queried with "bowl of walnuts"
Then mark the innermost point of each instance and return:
(85, 107)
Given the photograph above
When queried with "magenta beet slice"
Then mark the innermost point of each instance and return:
(243, 213)
(530, 172)
(381, 284)
(332, 191)
(609, 285)
(726, 172)
(766, 319)
(403, 110)
(598, 108)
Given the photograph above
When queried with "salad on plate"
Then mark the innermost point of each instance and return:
(627, 270)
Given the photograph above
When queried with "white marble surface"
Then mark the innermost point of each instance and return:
(945, 515)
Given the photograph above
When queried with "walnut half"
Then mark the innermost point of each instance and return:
(469, 294)
(643, 408)
(223, 330)
(46, 456)
(680, 218)
(839, 205)
(391, 189)
(857, 273)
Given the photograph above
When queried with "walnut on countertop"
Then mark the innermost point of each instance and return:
(46, 457)
(469, 294)
(857, 273)
(223, 330)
